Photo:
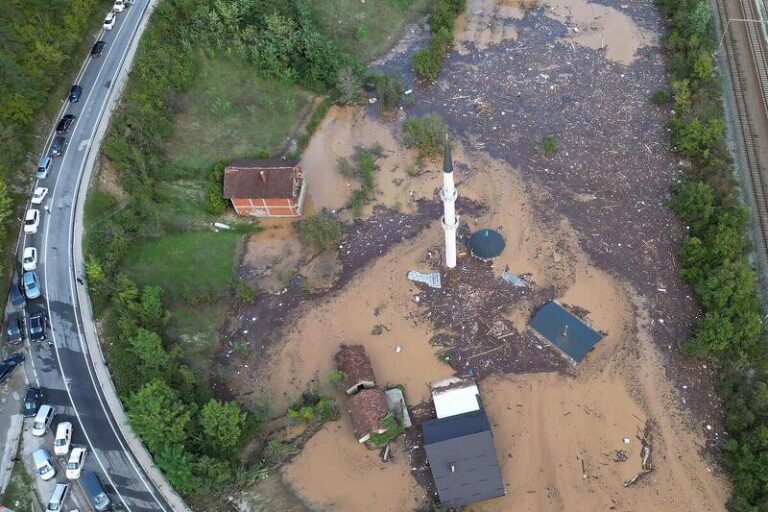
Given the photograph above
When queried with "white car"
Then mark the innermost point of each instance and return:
(76, 462)
(29, 259)
(43, 466)
(109, 21)
(119, 6)
(32, 221)
(39, 194)
(63, 438)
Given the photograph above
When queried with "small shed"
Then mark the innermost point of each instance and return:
(366, 410)
(358, 372)
(454, 396)
(265, 188)
(564, 331)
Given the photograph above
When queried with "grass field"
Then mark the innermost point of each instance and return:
(191, 267)
(196, 330)
(365, 29)
(229, 112)
(20, 492)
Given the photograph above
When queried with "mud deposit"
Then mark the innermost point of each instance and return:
(587, 226)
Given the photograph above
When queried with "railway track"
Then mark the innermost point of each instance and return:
(747, 129)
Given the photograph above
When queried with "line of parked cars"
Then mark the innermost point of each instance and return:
(74, 455)
(28, 287)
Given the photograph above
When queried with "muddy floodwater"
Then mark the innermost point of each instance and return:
(587, 226)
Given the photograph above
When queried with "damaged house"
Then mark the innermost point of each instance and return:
(358, 372)
(459, 446)
(367, 408)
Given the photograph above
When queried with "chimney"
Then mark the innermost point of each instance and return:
(263, 176)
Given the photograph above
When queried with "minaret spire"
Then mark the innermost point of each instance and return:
(448, 195)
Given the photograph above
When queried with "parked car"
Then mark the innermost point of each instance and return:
(44, 167)
(76, 462)
(65, 123)
(10, 364)
(43, 465)
(38, 322)
(97, 49)
(16, 296)
(32, 402)
(31, 285)
(59, 495)
(120, 5)
(63, 438)
(29, 259)
(95, 491)
(109, 21)
(43, 420)
(58, 146)
(14, 329)
(32, 221)
(75, 92)
(39, 194)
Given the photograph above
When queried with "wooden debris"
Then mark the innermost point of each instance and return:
(646, 438)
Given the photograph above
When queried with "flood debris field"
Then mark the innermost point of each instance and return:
(587, 226)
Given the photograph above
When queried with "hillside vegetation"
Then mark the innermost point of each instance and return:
(39, 46)
(714, 257)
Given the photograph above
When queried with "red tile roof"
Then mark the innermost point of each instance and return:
(366, 409)
(259, 179)
(354, 362)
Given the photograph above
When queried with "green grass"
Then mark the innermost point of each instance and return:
(196, 330)
(19, 492)
(191, 267)
(365, 29)
(229, 112)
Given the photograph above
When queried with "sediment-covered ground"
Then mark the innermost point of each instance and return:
(588, 226)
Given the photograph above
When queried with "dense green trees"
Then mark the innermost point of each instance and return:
(714, 256)
(192, 436)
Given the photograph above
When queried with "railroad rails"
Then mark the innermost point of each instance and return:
(750, 122)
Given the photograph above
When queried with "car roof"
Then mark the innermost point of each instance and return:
(32, 211)
(30, 248)
(62, 426)
(44, 160)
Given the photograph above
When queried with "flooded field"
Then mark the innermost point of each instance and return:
(587, 226)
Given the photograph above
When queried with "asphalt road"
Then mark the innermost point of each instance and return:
(65, 370)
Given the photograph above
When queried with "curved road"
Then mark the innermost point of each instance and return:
(66, 371)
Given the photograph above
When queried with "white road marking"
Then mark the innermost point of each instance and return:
(128, 454)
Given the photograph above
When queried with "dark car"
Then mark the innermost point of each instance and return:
(65, 123)
(16, 295)
(58, 146)
(32, 402)
(14, 329)
(10, 364)
(74, 93)
(95, 491)
(97, 48)
(37, 326)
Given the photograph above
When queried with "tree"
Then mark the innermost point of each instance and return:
(151, 312)
(321, 231)
(158, 416)
(222, 425)
(152, 360)
(177, 465)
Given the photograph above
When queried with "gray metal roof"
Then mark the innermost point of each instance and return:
(564, 330)
(463, 459)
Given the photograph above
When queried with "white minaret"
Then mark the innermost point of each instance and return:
(448, 195)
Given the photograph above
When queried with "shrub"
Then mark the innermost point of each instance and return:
(427, 134)
(320, 231)
(336, 377)
(661, 97)
(548, 146)
(389, 89)
(428, 62)
(393, 429)
(349, 86)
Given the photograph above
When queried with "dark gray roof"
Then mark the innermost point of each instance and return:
(462, 458)
(564, 330)
(486, 244)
